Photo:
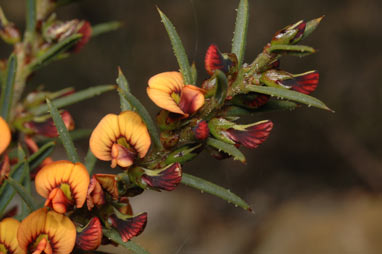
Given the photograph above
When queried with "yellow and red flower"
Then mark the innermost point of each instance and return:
(95, 194)
(47, 232)
(8, 236)
(127, 225)
(5, 133)
(64, 184)
(168, 91)
(165, 179)
(120, 139)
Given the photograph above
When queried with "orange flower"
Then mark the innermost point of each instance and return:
(168, 91)
(5, 134)
(120, 138)
(8, 236)
(90, 236)
(63, 183)
(47, 232)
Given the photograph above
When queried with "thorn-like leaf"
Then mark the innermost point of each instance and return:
(216, 190)
(221, 88)
(311, 26)
(63, 133)
(114, 236)
(227, 148)
(105, 27)
(7, 87)
(179, 50)
(123, 86)
(296, 50)
(74, 98)
(23, 193)
(240, 34)
(55, 51)
(31, 16)
(90, 161)
(288, 95)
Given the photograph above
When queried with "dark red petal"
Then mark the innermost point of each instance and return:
(305, 83)
(253, 136)
(167, 179)
(300, 32)
(214, 60)
(131, 227)
(201, 130)
(89, 238)
(86, 31)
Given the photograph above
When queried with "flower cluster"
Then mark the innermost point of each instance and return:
(82, 209)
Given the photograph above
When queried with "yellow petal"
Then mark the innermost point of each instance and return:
(56, 173)
(103, 137)
(8, 235)
(5, 135)
(60, 230)
(160, 88)
(135, 131)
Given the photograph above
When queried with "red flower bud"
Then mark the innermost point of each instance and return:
(166, 179)
(201, 130)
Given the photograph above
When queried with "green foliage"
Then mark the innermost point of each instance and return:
(7, 87)
(114, 236)
(178, 48)
(216, 190)
(63, 133)
(240, 34)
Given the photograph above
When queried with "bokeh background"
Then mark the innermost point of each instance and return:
(314, 185)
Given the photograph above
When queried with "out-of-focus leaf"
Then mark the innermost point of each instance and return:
(7, 87)
(31, 16)
(74, 98)
(52, 53)
(194, 72)
(282, 93)
(141, 110)
(38, 157)
(90, 161)
(63, 133)
(25, 196)
(240, 34)
(271, 105)
(114, 236)
(105, 27)
(216, 190)
(296, 50)
(221, 88)
(178, 48)
(227, 148)
(18, 174)
(123, 86)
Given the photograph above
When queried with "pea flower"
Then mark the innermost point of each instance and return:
(214, 60)
(120, 139)
(8, 236)
(64, 184)
(47, 232)
(168, 91)
(5, 133)
(250, 135)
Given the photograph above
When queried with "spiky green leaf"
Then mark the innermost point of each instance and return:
(114, 236)
(63, 133)
(178, 48)
(240, 34)
(282, 93)
(216, 190)
(74, 98)
(123, 86)
(25, 196)
(227, 148)
(105, 27)
(90, 161)
(295, 50)
(7, 87)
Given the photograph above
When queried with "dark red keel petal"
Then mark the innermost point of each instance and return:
(201, 130)
(253, 136)
(90, 237)
(214, 60)
(131, 227)
(305, 83)
(167, 179)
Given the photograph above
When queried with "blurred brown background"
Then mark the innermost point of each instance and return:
(314, 185)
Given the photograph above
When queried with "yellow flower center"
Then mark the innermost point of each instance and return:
(175, 97)
(3, 249)
(66, 190)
